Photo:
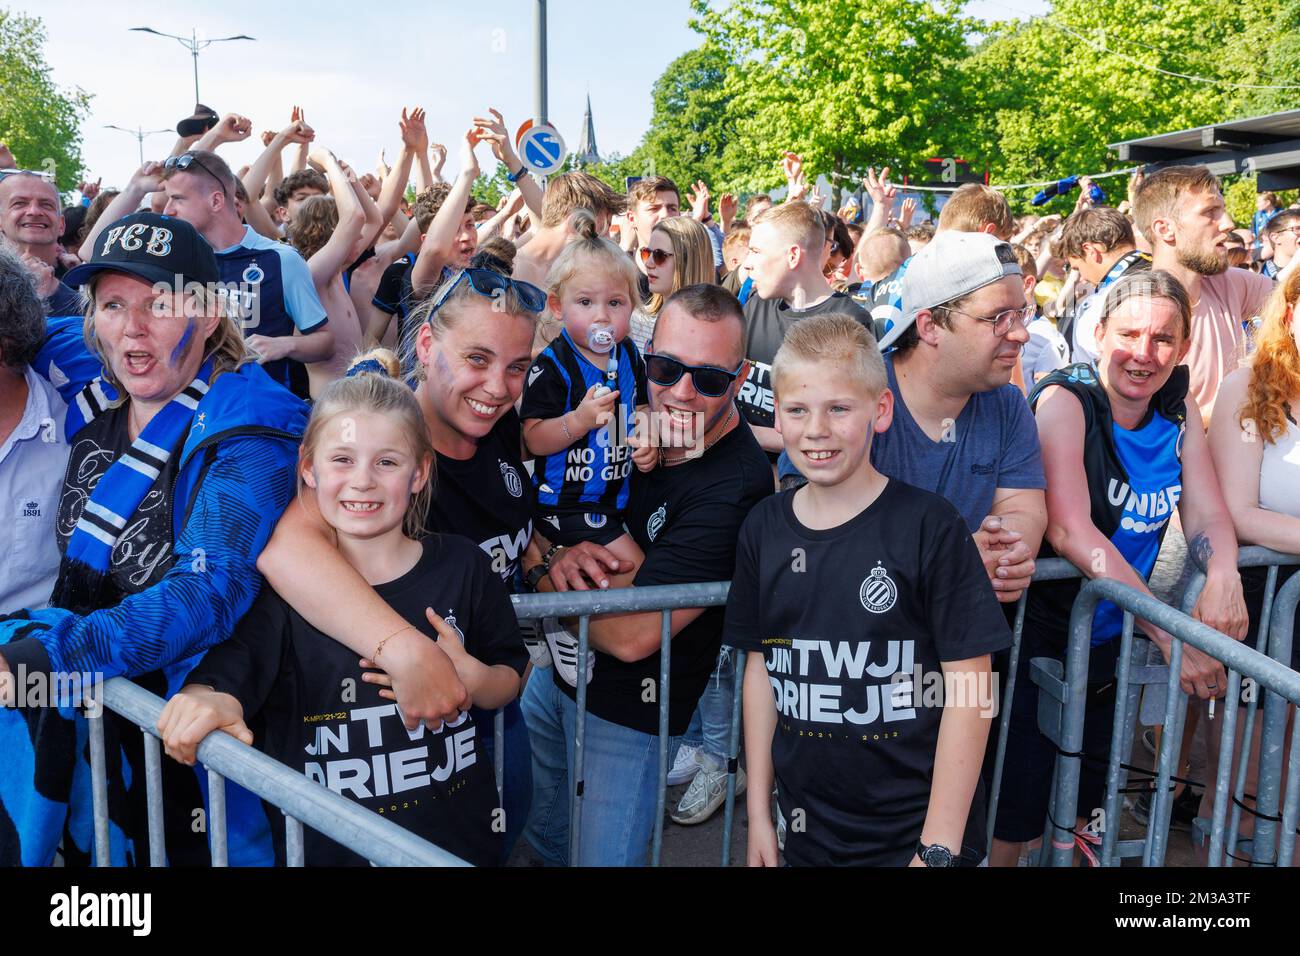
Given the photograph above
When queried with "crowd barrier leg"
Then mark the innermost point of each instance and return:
(294, 853)
(217, 818)
(1058, 840)
(1248, 733)
(579, 738)
(1126, 705)
(665, 650)
(1268, 792)
(1291, 807)
(99, 786)
(1227, 743)
(153, 785)
(1004, 724)
(499, 753)
(1171, 744)
(733, 753)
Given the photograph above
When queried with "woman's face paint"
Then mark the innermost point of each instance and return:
(191, 325)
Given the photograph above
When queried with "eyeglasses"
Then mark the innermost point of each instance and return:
(710, 381)
(6, 173)
(1003, 321)
(184, 161)
(491, 285)
(658, 255)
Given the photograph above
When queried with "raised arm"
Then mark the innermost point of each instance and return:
(256, 180)
(145, 181)
(233, 128)
(304, 566)
(882, 194)
(331, 259)
(492, 130)
(439, 241)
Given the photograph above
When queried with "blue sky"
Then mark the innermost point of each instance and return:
(352, 66)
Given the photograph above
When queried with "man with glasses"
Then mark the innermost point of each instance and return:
(267, 284)
(960, 428)
(31, 219)
(685, 517)
(1283, 232)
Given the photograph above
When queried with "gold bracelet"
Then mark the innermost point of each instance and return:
(378, 649)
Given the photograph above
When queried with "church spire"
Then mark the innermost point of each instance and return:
(587, 152)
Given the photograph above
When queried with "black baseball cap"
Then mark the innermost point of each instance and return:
(204, 119)
(154, 247)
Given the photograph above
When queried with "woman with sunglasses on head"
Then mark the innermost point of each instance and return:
(678, 254)
(1122, 449)
(472, 342)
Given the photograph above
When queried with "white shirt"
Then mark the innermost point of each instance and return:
(33, 460)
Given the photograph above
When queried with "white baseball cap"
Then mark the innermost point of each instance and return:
(952, 264)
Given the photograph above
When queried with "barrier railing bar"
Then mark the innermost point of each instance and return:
(499, 753)
(1162, 800)
(332, 814)
(665, 670)
(1268, 791)
(1291, 808)
(154, 798)
(1004, 725)
(579, 739)
(1227, 741)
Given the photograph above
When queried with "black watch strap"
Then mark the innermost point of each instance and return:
(935, 855)
(535, 575)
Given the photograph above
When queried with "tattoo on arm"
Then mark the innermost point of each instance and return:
(1201, 550)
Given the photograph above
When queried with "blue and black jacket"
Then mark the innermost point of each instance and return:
(235, 478)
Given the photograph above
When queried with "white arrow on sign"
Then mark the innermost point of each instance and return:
(542, 149)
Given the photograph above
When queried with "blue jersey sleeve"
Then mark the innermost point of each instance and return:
(300, 298)
(64, 360)
(197, 603)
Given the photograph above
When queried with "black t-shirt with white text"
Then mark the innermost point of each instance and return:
(854, 623)
(487, 498)
(766, 322)
(307, 706)
(685, 519)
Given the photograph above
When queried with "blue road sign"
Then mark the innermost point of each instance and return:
(542, 149)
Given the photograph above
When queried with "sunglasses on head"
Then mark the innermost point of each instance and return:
(709, 380)
(490, 285)
(658, 255)
(184, 161)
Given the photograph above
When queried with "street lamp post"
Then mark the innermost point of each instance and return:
(194, 45)
(539, 33)
(139, 133)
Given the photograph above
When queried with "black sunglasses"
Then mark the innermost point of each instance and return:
(490, 285)
(710, 381)
(184, 161)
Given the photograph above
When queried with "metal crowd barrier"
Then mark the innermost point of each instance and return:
(1271, 671)
(302, 800)
(384, 843)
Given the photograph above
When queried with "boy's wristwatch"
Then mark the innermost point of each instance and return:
(936, 854)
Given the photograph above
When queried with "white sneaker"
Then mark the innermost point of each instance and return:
(564, 652)
(706, 793)
(684, 766)
(535, 643)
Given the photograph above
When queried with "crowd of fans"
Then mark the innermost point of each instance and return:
(278, 443)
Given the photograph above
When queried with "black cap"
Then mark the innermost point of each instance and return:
(204, 119)
(154, 247)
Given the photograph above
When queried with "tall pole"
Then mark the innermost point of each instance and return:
(194, 50)
(539, 31)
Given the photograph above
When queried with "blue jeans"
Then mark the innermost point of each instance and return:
(620, 781)
(710, 729)
(785, 467)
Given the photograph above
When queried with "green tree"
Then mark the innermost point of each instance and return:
(38, 120)
(692, 123)
(1046, 96)
(845, 85)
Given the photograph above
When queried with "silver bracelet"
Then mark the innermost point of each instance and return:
(565, 425)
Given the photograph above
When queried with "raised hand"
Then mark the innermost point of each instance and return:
(438, 155)
(492, 130)
(727, 207)
(148, 178)
(414, 133)
(792, 166)
(908, 211)
(370, 183)
(234, 128)
(90, 190)
(7, 160)
(468, 161)
(878, 187)
(699, 199)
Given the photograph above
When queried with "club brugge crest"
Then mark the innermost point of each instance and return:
(656, 522)
(513, 484)
(595, 520)
(878, 592)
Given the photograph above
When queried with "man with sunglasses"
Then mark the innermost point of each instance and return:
(685, 517)
(960, 428)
